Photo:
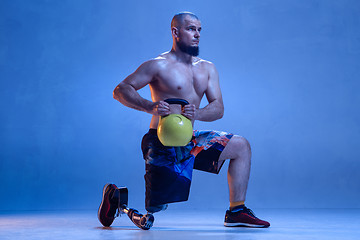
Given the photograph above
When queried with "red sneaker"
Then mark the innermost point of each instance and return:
(108, 206)
(243, 217)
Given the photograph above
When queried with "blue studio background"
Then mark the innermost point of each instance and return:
(289, 73)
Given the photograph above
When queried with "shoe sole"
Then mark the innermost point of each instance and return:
(102, 200)
(244, 225)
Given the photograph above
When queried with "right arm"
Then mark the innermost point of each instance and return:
(126, 91)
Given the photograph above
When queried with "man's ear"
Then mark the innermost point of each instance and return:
(175, 32)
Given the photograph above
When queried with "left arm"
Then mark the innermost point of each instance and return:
(215, 109)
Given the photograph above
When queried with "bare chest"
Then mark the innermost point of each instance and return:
(189, 82)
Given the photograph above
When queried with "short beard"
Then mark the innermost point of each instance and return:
(191, 50)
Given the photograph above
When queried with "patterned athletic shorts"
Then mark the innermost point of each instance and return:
(169, 169)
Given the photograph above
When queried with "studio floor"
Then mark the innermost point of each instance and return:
(291, 224)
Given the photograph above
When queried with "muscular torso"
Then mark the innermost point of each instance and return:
(175, 79)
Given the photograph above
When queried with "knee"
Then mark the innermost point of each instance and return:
(242, 144)
(237, 148)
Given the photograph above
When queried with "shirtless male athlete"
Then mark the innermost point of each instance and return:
(180, 74)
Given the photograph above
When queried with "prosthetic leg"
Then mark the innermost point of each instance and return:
(144, 222)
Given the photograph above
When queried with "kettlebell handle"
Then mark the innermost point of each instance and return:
(180, 101)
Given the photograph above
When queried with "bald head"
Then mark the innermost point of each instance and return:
(178, 19)
(185, 30)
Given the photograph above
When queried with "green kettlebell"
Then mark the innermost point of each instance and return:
(175, 130)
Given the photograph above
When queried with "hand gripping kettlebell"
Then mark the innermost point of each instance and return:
(175, 130)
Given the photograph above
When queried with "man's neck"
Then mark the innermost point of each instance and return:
(181, 56)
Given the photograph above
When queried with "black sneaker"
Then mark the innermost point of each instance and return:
(109, 205)
(243, 217)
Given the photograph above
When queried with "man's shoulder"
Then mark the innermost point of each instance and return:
(204, 63)
(201, 61)
(159, 60)
(154, 64)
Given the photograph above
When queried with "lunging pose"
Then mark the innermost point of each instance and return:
(180, 74)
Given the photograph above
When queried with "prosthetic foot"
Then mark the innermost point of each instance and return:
(144, 222)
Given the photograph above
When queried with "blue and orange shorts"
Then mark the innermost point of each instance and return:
(169, 169)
